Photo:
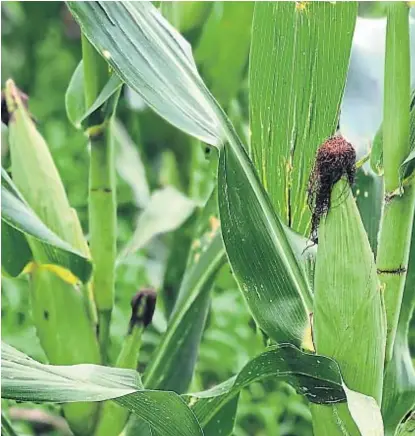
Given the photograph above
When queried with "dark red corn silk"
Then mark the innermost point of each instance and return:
(335, 158)
(143, 305)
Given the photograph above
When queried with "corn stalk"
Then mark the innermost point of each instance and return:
(398, 210)
(102, 189)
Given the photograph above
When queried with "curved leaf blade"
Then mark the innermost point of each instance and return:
(75, 97)
(316, 377)
(168, 367)
(159, 67)
(25, 379)
(16, 213)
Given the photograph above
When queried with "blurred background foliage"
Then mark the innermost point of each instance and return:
(40, 50)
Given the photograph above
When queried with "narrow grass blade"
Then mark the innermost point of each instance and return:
(25, 379)
(299, 50)
(6, 427)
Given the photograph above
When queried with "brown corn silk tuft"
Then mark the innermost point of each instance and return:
(335, 158)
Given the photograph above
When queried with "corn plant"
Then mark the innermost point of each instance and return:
(283, 215)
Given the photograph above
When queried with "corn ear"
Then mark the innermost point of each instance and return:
(349, 319)
(62, 312)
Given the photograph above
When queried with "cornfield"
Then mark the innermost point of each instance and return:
(229, 237)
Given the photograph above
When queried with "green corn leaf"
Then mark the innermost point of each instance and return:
(316, 377)
(75, 97)
(223, 48)
(13, 240)
(25, 379)
(166, 210)
(172, 365)
(75, 104)
(20, 221)
(259, 252)
(299, 50)
(399, 380)
(35, 175)
(153, 59)
(176, 351)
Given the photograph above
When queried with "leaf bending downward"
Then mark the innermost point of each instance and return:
(24, 379)
(18, 217)
(316, 377)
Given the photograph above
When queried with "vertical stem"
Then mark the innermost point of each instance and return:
(398, 211)
(102, 194)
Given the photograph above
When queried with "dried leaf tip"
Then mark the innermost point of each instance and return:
(143, 305)
(336, 158)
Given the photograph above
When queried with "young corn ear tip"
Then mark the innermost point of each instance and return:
(143, 305)
(335, 158)
(14, 92)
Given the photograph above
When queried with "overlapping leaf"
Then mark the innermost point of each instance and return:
(76, 109)
(155, 61)
(261, 256)
(316, 377)
(25, 379)
(19, 219)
